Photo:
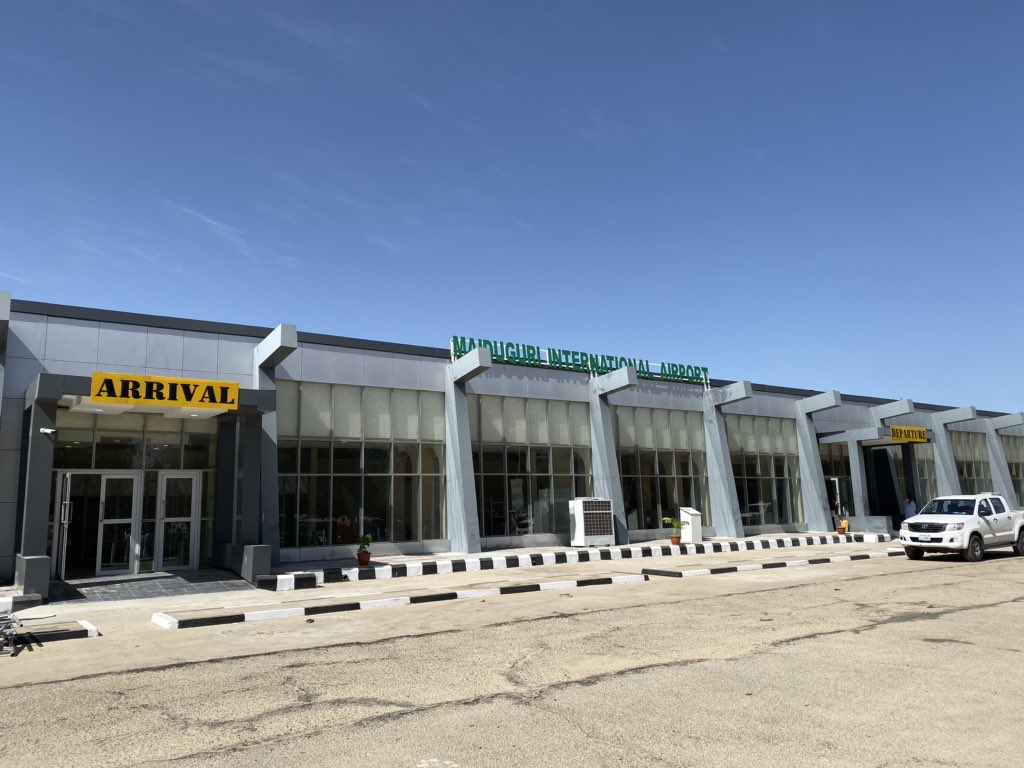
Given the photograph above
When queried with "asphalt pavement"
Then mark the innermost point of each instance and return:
(871, 663)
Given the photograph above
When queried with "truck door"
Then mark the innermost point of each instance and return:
(986, 518)
(1002, 521)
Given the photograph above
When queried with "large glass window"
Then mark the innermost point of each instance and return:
(971, 453)
(531, 457)
(766, 469)
(1013, 446)
(359, 460)
(662, 464)
(924, 460)
(835, 467)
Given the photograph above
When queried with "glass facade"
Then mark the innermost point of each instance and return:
(150, 442)
(1013, 447)
(530, 457)
(766, 469)
(924, 462)
(357, 460)
(662, 464)
(971, 454)
(835, 466)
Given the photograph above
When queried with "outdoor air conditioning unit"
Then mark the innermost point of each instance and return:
(591, 523)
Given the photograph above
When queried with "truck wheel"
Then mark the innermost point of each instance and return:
(975, 550)
(914, 553)
(1019, 546)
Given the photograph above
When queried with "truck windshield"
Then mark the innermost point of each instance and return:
(949, 507)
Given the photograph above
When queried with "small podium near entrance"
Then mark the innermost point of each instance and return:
(694, 532)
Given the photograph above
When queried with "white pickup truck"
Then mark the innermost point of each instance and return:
(965, 524)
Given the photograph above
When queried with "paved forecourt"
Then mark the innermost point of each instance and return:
(463, 585)
(129, 640)
(402, 567)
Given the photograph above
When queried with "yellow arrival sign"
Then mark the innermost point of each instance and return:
(909, 434)
(132, 389)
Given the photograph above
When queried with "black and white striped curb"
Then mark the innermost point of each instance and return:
(766, 566)
(41, 636)
(169, 622)
(284, 582)
(19, 602)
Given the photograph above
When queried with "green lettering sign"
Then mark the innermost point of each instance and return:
(518, 353)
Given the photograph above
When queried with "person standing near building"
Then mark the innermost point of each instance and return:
(909, 508)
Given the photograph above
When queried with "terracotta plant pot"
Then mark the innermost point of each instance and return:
(363, 558)
(674, 539)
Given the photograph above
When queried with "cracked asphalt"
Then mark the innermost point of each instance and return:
(873, 663)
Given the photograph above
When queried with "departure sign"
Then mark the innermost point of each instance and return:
(909, 434)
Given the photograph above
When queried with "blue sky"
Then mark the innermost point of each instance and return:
(827, 195)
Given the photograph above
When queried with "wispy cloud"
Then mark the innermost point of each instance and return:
(233, 237)
(13, 278)
(226, 233)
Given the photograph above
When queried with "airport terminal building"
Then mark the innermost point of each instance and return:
(134, 443)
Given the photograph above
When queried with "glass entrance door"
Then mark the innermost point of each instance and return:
(178, 521)
(76, 525)
(119, 505)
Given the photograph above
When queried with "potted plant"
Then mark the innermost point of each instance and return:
(676, 524)
(363, 553)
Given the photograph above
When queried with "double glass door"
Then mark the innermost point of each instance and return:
(107, 523)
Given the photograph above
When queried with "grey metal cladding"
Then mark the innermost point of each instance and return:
(406, 372)
(516, 383)
(763, 405)
(135, 318)
(9, 470)
(432, 375)
(74, 341)
(10, 422)
(19, 374)
(235, 355)
(8, 523)
(380, 369)
(26, 337)
(165, 349)
(316, 363)
(572, 387)
(121, 345)
(624, 397)
(291, 367)
(199, 352)
(538, 386)
(374, 346)
(349, 367)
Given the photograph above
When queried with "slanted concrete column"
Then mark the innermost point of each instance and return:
(607, 481)
(817, 513)
(267, 355)
(1002, 483)
(725, 504)
(463, 519)
(946, 479)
